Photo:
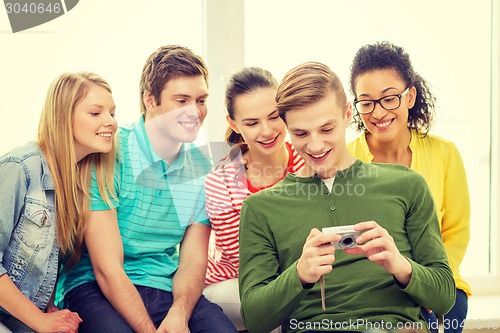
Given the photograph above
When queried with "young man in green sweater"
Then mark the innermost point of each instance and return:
(399, 263)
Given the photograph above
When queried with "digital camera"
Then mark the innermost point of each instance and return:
(348, 236)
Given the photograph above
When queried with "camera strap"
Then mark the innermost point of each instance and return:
(322, 290)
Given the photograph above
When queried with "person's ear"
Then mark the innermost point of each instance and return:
(348, 114)
(149, 100)
(232, 124)
(412, 97)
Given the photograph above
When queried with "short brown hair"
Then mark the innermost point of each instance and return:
(167, 63)
(307, 84)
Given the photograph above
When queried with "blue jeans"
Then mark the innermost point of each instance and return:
(12, 324)
(454, 320)
(99, 316)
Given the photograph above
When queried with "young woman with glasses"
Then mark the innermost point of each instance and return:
(394, 109)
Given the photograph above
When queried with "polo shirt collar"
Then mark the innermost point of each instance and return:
(147, 148)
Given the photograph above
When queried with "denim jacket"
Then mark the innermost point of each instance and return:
(28, 242)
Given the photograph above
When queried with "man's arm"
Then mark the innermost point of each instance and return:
(189, 279)
(432, 284)
(105, 247)
(268, 299)
(426, 277)
(378, 246)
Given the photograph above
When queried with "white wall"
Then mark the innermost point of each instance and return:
(111, 38)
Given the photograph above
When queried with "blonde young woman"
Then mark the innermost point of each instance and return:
(44, 194)
(259, 158)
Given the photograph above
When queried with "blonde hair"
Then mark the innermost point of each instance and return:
(72, 179)
(307, 84)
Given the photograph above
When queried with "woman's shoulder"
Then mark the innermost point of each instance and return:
(434, 139)
(358, 148)
(290, 147)
(226, 164)
(225, 170)
(434, 144)
(357, 143)
(296, 162)
(26, 162)
(27, 153)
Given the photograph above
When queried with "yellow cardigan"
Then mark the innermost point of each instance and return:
(439, 161)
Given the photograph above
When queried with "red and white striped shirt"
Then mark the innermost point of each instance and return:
(226, 187)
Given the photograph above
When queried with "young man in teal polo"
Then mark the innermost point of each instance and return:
(146, 257)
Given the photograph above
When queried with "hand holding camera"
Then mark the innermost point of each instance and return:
(317, 256)
(347, 236)
(378, 246)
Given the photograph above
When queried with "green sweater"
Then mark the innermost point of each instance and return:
(276, 222)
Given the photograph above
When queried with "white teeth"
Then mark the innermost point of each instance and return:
(105, 135)
(387, 123)
(190, 125)
(268, 141)
(319, 156)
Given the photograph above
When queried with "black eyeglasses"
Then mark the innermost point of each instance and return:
(389, 102)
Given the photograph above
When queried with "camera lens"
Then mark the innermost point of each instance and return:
(347, 241)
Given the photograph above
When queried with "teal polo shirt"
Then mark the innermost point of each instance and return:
(155, 204)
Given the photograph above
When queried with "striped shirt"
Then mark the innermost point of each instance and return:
(226, 187)
(156, 203)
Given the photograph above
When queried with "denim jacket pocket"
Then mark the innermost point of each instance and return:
(34, 225)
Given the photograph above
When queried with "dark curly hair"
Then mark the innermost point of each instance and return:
(385, 55)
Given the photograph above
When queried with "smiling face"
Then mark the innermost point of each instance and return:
(385, 125)
(318, 134)
(94, 123)
(258, 122)
(182, 110)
